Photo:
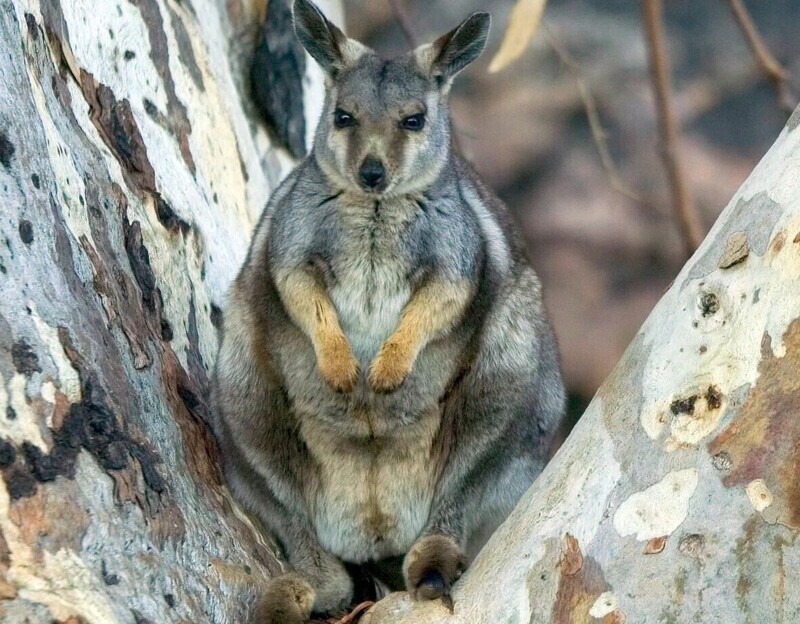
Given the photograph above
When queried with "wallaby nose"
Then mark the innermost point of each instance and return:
(372, 172)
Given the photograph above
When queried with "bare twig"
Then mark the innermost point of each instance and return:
(593, 116)
(355, 614)
(691, 230)
(405, 24)
(770, 66)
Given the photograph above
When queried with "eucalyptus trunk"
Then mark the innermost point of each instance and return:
(131, 176)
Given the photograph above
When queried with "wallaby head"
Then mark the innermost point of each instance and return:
(385, 126)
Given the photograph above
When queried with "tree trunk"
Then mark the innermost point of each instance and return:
(676, 497)
(131, 175)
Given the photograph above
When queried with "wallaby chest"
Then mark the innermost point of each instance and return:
(372, 267)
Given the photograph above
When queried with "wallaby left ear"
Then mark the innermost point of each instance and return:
(452, 52)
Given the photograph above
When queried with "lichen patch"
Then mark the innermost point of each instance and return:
(658, 510)
(759, 495)
(605, 604)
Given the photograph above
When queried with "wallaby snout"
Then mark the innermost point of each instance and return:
(372, 174)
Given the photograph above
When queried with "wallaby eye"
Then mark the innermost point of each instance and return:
(343, 119)
(413, 122)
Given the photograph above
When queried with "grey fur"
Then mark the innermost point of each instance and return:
(363, 475)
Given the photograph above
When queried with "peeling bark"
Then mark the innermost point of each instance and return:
(132, 172)
(678, 491)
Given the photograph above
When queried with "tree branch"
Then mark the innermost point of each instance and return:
(599, 135)
(773, 71)
(688, 221)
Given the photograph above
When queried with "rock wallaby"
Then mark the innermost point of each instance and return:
(388, 383)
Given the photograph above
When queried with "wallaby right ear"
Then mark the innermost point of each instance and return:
(452, 52)
(326, 44)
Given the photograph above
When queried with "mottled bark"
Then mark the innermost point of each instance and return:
(676, 498)
(131, 175)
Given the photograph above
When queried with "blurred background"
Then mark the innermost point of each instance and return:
(604, 240)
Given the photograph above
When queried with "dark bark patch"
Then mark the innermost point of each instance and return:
(32, 26)
(683, 406)
(138, 618)
(7, 454)
(276, 76)
(7, 150)
(763, 441)
(139, 258)
(709, 304)
(108, 578)
(170, 600)
(11, 413)
(129, 55)
(168, 217)
(63, 248)
(92, 426)
(19, 481)
(152, 111)
(194, 359)
(191, 412)
(25, 360)
(119, 308)
(47, 466)
(713, 397)
(117, 126)
(185, 50)
(35, 180)
(179, 123)
(89, 425)
(25, 231)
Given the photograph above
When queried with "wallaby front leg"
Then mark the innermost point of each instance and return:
(433, 311)
(305, 299)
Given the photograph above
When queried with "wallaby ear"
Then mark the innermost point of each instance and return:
(326, 44)
(452, 52)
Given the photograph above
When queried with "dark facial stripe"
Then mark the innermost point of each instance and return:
(354, 149)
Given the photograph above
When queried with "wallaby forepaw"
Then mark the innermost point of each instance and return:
(287, 600)
(338, 365)
(431, 567)
(390, 368)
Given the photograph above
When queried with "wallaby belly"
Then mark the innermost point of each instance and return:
(372, 497)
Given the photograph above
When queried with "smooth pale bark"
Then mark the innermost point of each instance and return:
(676, 497)
(131, 175)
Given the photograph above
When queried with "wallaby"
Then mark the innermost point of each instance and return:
(388, 384)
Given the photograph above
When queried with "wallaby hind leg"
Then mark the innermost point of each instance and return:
(317, 582)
